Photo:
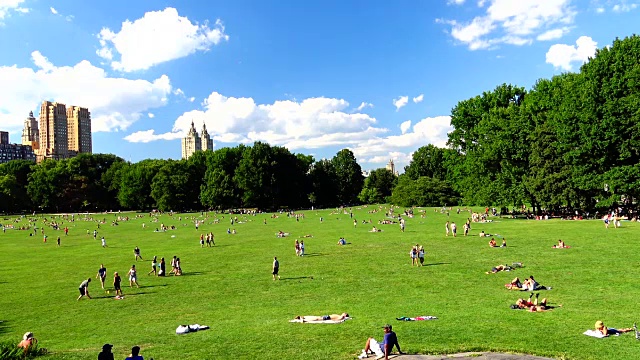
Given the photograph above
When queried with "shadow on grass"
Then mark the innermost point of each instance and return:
(4, 326)
(314, 254)
(297, 278)
(440, 263)
(125, 296)
(193, 273)
(151, 286)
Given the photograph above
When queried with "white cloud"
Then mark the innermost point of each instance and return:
(431, 130)
(115, 103)
(151, 115)
(8, 6)
(456, 2)
(418, 98)
(405, 126)
(553, 34)
(53, 11)
(400, 102)
(624, 6)
(600, 10)
(192, 99)
(311, 123)
(363, 105)
(157, 37)
(511, 22)
(563, 56)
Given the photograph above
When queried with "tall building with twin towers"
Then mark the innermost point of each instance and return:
(194, 142)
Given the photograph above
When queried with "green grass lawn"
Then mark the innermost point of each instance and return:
(229, 287)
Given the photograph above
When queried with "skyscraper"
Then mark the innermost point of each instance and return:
(79, 129)
(191, 143)
(64, 132)
(205, 139)
(30, 132)
(53, 132)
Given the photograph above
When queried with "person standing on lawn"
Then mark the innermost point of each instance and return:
(276, 268)
(84, 289)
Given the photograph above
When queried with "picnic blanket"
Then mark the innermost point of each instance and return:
(417, 318)
(595, 334)
(319, 321)
(185, 329)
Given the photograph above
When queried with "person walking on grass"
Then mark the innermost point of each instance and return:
(102, 275)
(446, 228)
(58, 241)
(84, 289)
(276, 268)
(136, 253)
(117, 282)
(133, 276)
(104, 242)
(454, 229)
(154, 265)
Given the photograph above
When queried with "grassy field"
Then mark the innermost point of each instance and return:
(229, 287)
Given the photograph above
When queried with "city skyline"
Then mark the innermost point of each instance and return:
(317, 77)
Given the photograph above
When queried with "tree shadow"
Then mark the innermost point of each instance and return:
(4, 326)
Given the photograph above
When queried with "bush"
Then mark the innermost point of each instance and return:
(10, 351)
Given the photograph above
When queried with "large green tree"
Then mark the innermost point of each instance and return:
(348, 175)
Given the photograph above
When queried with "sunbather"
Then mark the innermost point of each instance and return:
(561, 245)
(333, 317)
(499, 268)
(607, 331)
(534, 306)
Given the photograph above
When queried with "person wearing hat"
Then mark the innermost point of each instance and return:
(606, 331)
(383, 349)
(27, 341)
(106, 353)
(135, 354)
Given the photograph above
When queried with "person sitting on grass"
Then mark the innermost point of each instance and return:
(106, 353)
(504, 243)
(375, 230)
(607, 331)
(342, 241)
(561, 245)
(383, 349)
(27, 341)
(492, 243)
(332, 317)
(135, 354)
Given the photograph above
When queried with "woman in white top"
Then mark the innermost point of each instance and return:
(133, 276)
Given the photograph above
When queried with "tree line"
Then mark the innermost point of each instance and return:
(259, 176)
(570, 142)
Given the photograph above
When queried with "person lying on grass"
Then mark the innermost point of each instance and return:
(499, 268)
(607, 331)
(534, 306)
(561, 245)
(332, 317)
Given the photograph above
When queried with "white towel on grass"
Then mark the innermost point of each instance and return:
(319, 321)
(594, 333)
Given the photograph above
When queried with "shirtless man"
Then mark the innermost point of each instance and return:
(333, 317)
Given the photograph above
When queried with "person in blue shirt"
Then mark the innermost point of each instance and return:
(135, 354)
(381, 349)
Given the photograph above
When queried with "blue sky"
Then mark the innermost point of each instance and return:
(379, 77)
